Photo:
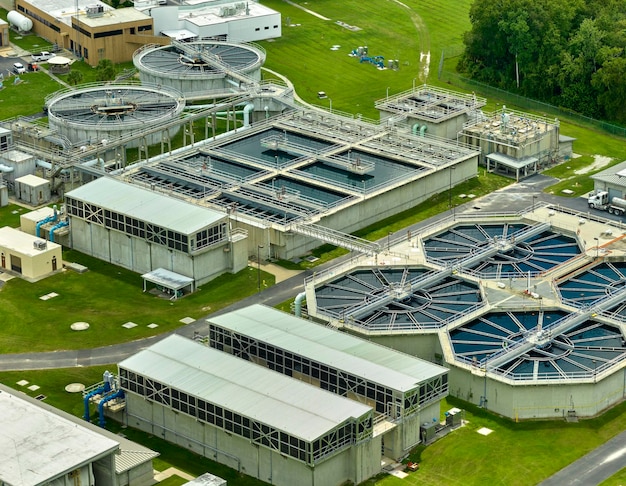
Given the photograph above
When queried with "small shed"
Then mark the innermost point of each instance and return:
(32, 190)
(28, 256)
(169, 282)
(566, 147)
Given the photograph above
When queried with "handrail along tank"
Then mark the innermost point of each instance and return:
(602, 201)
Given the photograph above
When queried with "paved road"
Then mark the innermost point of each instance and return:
(595, 467)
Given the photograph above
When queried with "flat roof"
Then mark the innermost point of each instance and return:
(116, 16)
(65, 10)
(511, 161)
(146, 205)
(343, 351)
(20, 242)
(284, 403)
(39, 445)
(168, 279)
(32, 180)
(205, 13)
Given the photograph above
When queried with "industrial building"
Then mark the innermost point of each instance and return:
(90, 28)
(144, 230)
(512, 143)
(230, 20)
(283, 399)
(612, 180)
(403, 391)
(43, 445)
(526, 313)
(27, 256)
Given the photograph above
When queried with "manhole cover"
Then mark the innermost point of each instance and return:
(74, 387)
(79, 326)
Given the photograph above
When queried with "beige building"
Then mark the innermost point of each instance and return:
(28, 256)
(4, 33)
(91, 29)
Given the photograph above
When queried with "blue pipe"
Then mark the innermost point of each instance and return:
(56, 227)
(86, 398)
(49, 219)
(118, 393)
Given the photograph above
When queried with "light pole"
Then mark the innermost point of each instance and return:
(597, 246)
(258, 266)
(330, 105)
(413, 84)
(389, 241)
(534, 199)
(387, 92)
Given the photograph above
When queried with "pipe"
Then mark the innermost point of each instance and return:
(119, 393)
(267, 111)
(6, 168)
(86, 399)
(48, 165)
(53, 217)
(298, 303)
(415, 128)
(423, 130)
(246, 114)
(56, 227)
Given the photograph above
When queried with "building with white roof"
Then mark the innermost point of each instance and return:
(612, 180)
(404, 391)
(143, 230)
(258, 422)
(223, 19)
(27, 256)
(43, 445)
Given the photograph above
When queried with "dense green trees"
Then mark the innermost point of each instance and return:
(569, 53)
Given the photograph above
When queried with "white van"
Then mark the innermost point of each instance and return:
(18, 68)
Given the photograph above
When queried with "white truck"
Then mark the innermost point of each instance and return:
(42, 56)
(600, 200)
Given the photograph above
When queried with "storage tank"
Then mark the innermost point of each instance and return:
(202, 69)
(94, 114)
(23, 23)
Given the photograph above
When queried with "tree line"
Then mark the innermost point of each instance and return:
(570, 53)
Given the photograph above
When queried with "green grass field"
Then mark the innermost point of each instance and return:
(106, 297)
(514, 454)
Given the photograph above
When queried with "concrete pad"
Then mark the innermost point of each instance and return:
(79, 326)
(398, 474)
(74, 387)
(153, 325)
(484, 431)
(187, 320)
(34, 387)
(129, 325)
(22, 383)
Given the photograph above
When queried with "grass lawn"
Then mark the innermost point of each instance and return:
(106, 297)
(10, 215)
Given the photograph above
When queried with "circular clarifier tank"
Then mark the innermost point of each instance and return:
(508, 249)
(199, 67)
(97, 114)
(577, 352)
(397, 299)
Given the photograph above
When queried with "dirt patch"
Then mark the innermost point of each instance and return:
(599, 161)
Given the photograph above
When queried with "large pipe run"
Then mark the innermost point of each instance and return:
(298, 303)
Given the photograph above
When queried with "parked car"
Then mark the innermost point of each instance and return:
(18, 68)
(42, 56)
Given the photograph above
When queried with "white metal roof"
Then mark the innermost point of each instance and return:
(38, 445)
(168, 279)
(145, 205)
(64, 10)
(23, 243)
(32, 180)
(253, 391)
(511, 161)
(371, 361)
(613, 175)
